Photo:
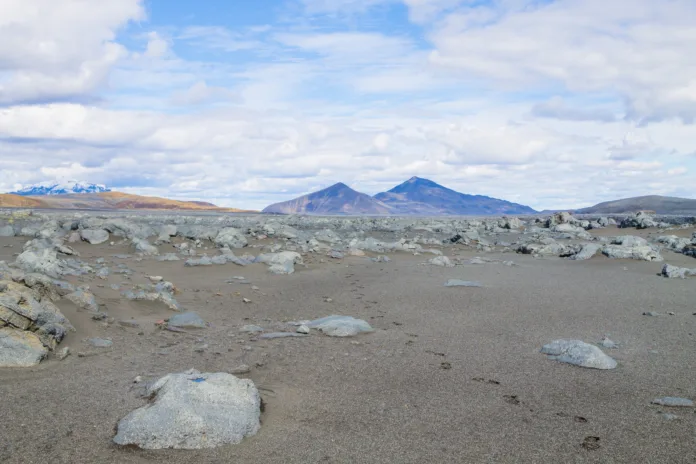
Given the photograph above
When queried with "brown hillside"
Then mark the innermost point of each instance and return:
(17, 201)
(107, 201)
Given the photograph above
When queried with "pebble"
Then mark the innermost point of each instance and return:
(138, 379)
(63, 353)
(241, 369)
(651, 314)
(100, 342)
(246, 300)
(155, 278)
(303, 329)
(462, 283)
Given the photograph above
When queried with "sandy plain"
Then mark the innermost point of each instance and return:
(451, 375)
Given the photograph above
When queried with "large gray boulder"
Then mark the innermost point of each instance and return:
(191, 410)
(19, 348)
(578, 353)
(642, 220)
(44, 261)
(94, 236)
(645, 253)
(280, 263)
(7, 231)
(231, 238)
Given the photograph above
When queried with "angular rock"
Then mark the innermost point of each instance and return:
(645, 253)
(19, 348)
(674, 272)
(578, 353)
(231, 238)
(193, 411)
(588, 251)
(94, 236)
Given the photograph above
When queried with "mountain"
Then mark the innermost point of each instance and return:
(657, 203)
(419, 196)
(61, 188)
(337, 199)
(106, 201)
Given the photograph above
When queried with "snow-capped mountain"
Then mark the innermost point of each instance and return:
(62, 188)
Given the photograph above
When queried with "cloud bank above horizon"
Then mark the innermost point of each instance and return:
(548, 103)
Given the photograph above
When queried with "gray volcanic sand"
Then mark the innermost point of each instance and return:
(384, 397)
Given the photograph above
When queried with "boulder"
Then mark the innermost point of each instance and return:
(578, 353)
(191, 410)
(674, 272)
(45, 261)
(280, 263)
(231, 238)
(7, 231)
(645, 253)
(19, 348)
(94, 236)
(641, 220)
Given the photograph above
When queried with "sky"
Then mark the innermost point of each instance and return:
(548, 103)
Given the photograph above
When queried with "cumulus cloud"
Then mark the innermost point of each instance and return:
(60, 50)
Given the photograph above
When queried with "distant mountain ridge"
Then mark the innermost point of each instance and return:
(416, 196)
(61, 188)
(107, 201)
(657, 203)
(425, 197)
(337, 199)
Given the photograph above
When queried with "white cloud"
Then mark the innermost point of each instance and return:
(60, 50)
(639, 49)
(547, 104)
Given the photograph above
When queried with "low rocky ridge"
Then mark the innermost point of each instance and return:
(193, 410)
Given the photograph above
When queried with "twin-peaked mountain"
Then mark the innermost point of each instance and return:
(416, 196)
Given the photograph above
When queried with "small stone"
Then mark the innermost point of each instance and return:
(189, 320)
(155, 279)
(673, 402)
(63, 353)
(241, 369)
(578, 353)
(129, 323)
(254, 287)
(100, 342)
(462, 283)
(246, 300)
(651, 314)
(138, 379)
(251, 328)
(607, 343)
(303, 329)
(669, 417)
(671, 313)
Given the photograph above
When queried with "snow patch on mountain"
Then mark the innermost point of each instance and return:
(62, 188)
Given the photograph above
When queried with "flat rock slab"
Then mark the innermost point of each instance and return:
(462, 283)
(191, 410)
(674, 402)
(19, 348)
(578, 353)
(188, 320)
(340, 326)
(269, 336)
(100, 342)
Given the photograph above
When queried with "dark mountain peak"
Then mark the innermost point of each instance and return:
(337, 187)
(415, 183)
(423, 196)
(335, 199)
